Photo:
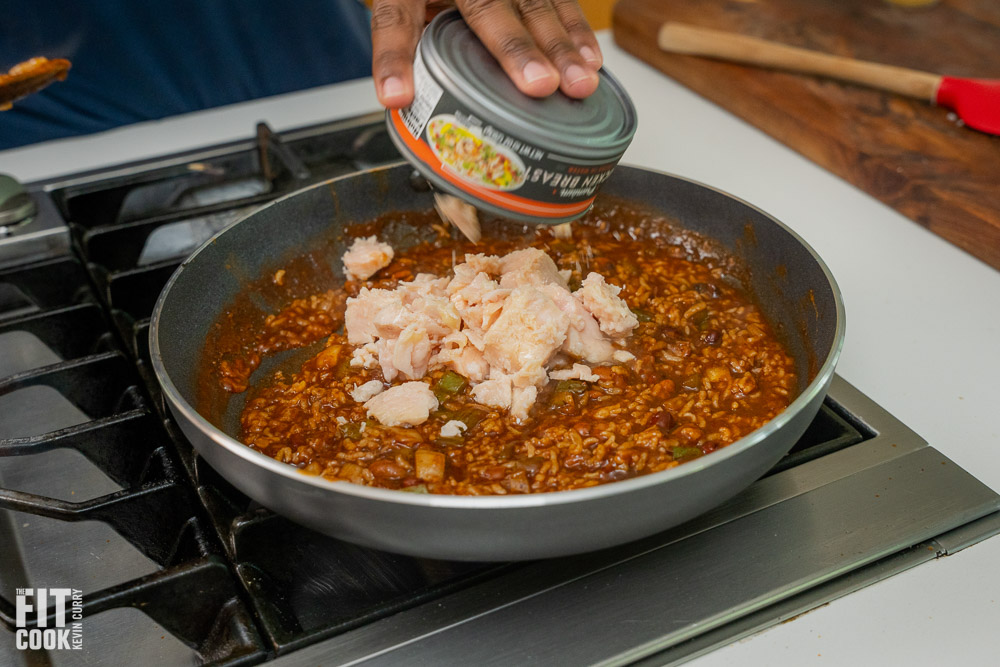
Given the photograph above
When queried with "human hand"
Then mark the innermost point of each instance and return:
(543, 45)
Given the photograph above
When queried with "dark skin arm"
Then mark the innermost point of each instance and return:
(543, 45)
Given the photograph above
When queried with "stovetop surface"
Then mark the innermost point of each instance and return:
(100, 492)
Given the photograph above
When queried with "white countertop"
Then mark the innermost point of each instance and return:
(923, 334)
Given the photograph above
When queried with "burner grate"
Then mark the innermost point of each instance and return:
(132, 229)
(154, 511)
(69, 331)
(134, 244)
(42, 285)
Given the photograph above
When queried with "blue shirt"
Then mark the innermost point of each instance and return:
(135, 60)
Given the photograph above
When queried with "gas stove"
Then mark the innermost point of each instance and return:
(100, 494)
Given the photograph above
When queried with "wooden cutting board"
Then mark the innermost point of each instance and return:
(913, 156)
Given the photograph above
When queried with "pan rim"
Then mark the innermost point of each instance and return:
(497, 502)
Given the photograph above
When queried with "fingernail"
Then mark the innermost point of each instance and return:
(589, 55)
(576, 74)
(392, 87)
(535, 71)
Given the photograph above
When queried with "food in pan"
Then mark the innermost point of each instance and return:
(365, 257)
(474, 158)
(498, 322)
(523, 364)
(459, 213)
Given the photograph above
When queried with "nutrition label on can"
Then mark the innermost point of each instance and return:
(426, 94)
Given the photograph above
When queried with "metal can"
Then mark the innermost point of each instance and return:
(473, 134)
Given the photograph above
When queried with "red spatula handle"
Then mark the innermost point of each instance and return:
(692, 40)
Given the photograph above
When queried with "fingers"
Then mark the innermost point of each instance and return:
(579, 31)
(531, 41)
(396, 27)
(499, 26)
(543, 45)
(578, 78)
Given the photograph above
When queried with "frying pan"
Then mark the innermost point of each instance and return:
(792, 285)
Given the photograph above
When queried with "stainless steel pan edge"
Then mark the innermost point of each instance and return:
(496, 527)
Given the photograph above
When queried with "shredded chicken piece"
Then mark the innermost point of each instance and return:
(530, 266)
(529, 331)
(479, 303)
(603, 302)
(495, 392)
(365, 356)
(577, 372)
(482, 263)
(584, 338)
(368, 390)
(366, 257)
(362, 311)
(462, 215)
(408, 355)
(406, 325)
(499, 321)
(453, 428)
(458, 353)
(409, 403)
(521, 401)
(563, 231)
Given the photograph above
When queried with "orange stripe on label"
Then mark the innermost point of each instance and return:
(505, 200)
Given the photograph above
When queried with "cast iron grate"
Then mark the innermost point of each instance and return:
(192, 594)
(36, 286)
(133, 229)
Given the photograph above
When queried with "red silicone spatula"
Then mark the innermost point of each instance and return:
(976, 101)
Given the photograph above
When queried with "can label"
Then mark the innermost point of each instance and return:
(489, 164)
(426, 96)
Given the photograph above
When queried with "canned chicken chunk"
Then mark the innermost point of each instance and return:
(473, 134)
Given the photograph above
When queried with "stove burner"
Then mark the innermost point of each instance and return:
(177, 240)
(100, 491)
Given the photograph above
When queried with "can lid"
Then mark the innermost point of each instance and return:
(597, 127)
